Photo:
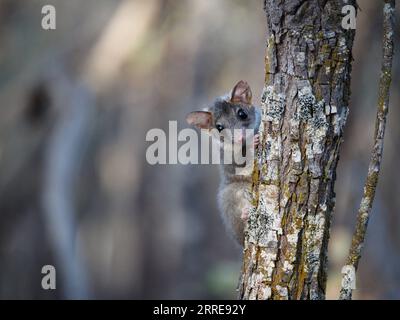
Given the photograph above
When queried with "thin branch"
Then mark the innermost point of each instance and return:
(349, 270)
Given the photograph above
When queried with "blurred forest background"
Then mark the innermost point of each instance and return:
(75, 189)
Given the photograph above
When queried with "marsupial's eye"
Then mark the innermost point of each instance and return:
(241, 114)
(219, 127)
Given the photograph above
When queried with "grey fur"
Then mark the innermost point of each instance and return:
(234, 190)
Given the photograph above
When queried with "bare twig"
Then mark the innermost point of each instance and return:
(349, 270)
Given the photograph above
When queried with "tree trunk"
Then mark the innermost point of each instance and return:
(305, 105)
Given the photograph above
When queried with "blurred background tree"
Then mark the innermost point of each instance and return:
(75, 188)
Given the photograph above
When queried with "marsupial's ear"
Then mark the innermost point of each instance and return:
(200, 119)
(241, 93)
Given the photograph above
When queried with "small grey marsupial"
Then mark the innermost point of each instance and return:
(231, 115)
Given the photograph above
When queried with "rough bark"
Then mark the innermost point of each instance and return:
(349, 270)
(305, 105)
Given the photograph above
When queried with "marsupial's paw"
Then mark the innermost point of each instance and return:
(245, 214)
(256, 140)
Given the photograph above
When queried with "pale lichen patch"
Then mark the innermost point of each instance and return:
(287, 266)
(266, 293)
(349, 277)
(339, 120)
(296, 153)
(268, 215)
(365, 203)
(300, 57)
(306, 102)
(292, 238)
(282, 291)
(274, 104)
